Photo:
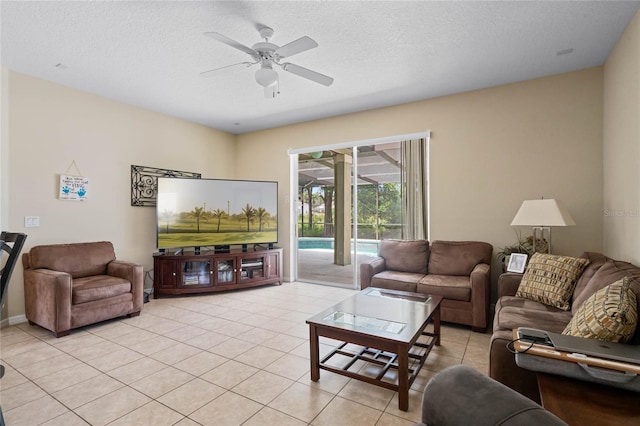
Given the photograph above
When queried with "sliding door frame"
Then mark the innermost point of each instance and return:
(293, 190)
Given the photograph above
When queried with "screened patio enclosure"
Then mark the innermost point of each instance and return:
(338, 227)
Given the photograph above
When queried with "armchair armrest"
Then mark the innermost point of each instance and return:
(133, 273)
(480, 295)
(47, 296)
(461, 395)
(369, 269)
(508, 284)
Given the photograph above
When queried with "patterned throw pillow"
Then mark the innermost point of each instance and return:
(610, 314)
(550, 279)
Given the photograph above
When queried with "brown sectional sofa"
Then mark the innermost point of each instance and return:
(459, 271)
(513, 312)
(67, 286)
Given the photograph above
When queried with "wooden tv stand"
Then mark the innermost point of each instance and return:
(190, 273)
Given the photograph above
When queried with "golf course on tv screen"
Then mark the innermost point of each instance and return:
(215, 212)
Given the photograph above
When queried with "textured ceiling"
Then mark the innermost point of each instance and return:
(150, 54)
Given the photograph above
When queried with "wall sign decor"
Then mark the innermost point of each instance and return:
(73, 188)
(144, 183)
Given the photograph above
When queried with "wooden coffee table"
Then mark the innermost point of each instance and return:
(385, 329)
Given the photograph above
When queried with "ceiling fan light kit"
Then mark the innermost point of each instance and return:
(268, 54)
(266, 76)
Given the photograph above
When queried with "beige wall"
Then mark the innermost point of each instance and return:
(490, 150)
(51, 126)
(621, 140)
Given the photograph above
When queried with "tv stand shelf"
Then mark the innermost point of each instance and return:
(190, 273)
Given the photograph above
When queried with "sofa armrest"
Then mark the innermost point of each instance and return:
(133, 273)
(47, 298)
(369, 269)
(480, 295)
(461, 395)
(508, 284)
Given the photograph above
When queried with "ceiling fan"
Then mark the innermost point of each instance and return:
(267, 55)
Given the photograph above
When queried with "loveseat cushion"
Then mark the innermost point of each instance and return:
(596, 260)
(77, 259)
(551, 279)
(97, 287)
(610, 272)
(394, 280)
(458, 257)
(610, 314)
(449, 287)
(405, 255)
(513, 312)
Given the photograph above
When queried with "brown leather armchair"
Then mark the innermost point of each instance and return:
(67, 286)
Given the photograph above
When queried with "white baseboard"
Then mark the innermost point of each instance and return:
(18, 319)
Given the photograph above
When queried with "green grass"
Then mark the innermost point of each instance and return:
(185, 233)
(213, 239)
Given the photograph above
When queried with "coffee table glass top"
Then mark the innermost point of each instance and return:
(374, 324)
(413, 297)
(392, 314)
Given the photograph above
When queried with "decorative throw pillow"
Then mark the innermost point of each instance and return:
(550, 279)
(610, 314)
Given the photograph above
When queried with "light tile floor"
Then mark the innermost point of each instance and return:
(233, 358)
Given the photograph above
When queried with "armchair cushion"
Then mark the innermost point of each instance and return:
(98, 287)
(405, 255)
(77, 259)
(458, 257)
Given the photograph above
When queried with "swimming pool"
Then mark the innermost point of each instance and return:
(323, 243)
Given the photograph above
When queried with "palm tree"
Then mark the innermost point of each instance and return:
(249, 213)
(167, 214)
(197, 214)
(262, 216)
(218, 214)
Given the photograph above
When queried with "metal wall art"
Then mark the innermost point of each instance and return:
(144, 183)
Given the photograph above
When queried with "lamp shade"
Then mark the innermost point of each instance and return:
(542, 213)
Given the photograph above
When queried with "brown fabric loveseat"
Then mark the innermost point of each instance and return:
(513, 312)
(67, 286)
(459, 271)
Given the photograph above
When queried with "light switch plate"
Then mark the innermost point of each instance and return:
(31, 221)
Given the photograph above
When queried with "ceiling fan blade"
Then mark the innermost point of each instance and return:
(295, 47)
(308, 74)
(230, 42)
(211, 73)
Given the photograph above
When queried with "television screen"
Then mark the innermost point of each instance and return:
(215, 212)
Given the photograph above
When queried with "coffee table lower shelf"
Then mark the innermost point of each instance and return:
(382, 336)
(384, 360)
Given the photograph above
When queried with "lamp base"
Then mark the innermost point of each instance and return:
(535, 237)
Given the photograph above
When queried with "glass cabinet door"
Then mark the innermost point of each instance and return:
(252, 268)
(196, 273)
(225, 271)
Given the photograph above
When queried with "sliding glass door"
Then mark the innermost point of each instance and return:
(348, 200)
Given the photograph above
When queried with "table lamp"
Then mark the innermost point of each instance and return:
(542, 215)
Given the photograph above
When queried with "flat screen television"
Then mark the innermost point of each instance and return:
(215, 212)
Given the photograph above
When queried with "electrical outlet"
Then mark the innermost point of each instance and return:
(31, 221)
